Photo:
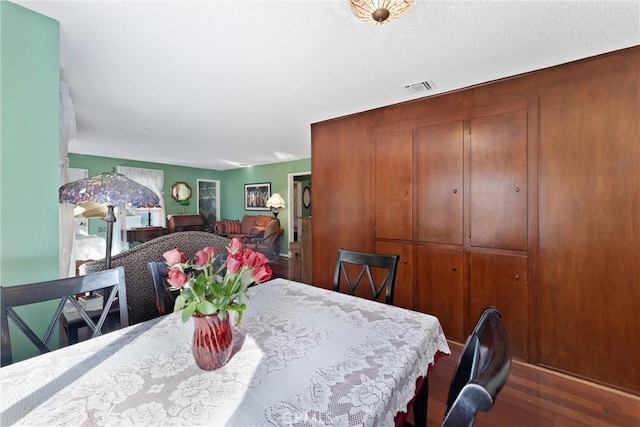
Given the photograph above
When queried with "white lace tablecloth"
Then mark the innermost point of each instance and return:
(303, 356)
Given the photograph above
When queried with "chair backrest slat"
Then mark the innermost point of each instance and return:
(63, 290)
(163, 297)
(366, 261)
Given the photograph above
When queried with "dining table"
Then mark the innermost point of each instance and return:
(302, 356)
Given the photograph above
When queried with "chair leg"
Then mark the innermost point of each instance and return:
(420, 404)
(72, 334)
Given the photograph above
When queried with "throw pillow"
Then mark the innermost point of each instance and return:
(263, 221)
(232, 226)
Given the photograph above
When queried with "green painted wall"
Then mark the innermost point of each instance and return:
(172, 174)
(29, 76)
(232, 192)
(231, 185)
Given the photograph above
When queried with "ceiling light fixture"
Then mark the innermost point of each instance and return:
(379, 11)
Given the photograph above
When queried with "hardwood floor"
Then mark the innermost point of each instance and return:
(538, 397)
(533, 396)
(286, 268)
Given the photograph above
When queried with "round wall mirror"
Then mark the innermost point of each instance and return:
(180, 191)
(306, 197)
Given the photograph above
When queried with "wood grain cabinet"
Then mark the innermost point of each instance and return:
(520, 193)
(440, 183)
(143, 234)
(306, 250)
(439, 286)
(450, 188)
(497, 187)
(394, 184)
(404, 289)
(501, 281)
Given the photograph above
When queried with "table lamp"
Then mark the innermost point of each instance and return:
(275, 202)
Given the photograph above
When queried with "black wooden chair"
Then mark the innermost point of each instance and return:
(110, 282)
(482, 371)
(164, 298)
(345, 272)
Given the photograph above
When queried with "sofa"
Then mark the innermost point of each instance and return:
(140, 290)
(250, 226)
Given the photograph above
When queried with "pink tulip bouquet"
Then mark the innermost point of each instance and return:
(206, 289)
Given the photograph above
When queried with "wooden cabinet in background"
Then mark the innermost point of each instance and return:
(470, 194)
(501, 281)
(403, 291)
(305, 252)
(440, 288)
(440, 183)
(394, 184)
(557, 208)
(142, 234)
(498, 181)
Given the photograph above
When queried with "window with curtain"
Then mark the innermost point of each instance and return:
(154, 179)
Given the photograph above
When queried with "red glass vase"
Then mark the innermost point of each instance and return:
(212, 341)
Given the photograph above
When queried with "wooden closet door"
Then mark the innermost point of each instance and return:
(440, 183)
(498, 181)
(403, 290)
(440, 281)
(501, 281)
(393, 184)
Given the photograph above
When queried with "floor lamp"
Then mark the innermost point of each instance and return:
(110, 189)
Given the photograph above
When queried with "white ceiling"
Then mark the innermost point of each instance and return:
(214, 84)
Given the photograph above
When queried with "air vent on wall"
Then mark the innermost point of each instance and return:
(420, 87)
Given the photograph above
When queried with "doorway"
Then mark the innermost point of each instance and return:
(299, 198)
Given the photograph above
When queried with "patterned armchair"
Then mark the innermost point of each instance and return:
(140, 291)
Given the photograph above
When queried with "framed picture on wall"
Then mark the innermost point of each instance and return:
(256, 196)
(208, 192)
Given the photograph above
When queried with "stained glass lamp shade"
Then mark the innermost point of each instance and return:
(110, 189)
